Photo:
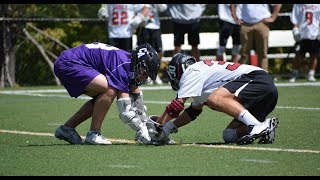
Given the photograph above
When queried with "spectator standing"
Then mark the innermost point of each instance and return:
(306, 23)
(254, 34)
(122, 20)
(186, 19)
(150, 32)
(228, 27)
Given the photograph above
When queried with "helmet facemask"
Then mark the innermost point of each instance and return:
(179, 63)
(140, 71)
(145, 63)
(174, 80)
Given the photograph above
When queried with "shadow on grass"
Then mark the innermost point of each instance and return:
(45, 145)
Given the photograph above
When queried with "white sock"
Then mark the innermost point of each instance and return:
(311, 72)
(247, 118)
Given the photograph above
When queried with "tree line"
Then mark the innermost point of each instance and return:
(33, 35)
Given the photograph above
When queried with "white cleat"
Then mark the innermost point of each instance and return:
(269, 137)
(95, 138)
(256, 132)
(312, 79)
(292, 80)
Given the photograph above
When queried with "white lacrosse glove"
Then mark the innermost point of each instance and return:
(296, 34)
(143, 135)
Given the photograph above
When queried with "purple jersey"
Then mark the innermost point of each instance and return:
(78, 66)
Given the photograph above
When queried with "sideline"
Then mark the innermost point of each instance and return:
(46, 93)
(165, 87)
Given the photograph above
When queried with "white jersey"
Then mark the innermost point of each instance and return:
(225, 13)
(306, 16)
(200, 79)
(153, 16)
(185, 13)
(119, 20)
(254, 13)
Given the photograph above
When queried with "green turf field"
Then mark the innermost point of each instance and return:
(29, 117)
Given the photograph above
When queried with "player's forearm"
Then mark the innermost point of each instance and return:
(182, 120)
(165, 117)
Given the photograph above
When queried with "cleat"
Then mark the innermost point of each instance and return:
(245, 140)
(169, 141)
(269, 137)
(292, 80)
(68, 134)
(256, 131)
(95, 138)
(312, 79)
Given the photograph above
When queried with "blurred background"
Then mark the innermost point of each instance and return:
(33, 35)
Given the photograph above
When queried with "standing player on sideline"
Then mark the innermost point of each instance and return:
(306, 23)
(150, 32)
(245, 92)
(186, 19)
(228, 27)
(122, 20)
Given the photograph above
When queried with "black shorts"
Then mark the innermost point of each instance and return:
(256, 92)
(121, 43)
(193, 31)
(151, 36)
(226, 30)
(310, 46)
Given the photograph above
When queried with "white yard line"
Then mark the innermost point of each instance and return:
(193, 145)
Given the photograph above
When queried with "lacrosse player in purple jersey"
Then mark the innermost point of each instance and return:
(246, 93)
(106, 73)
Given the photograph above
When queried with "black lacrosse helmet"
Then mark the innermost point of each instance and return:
(144, 57)
(177, 66)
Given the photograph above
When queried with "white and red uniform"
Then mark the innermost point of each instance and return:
(120, 17)
(307, 17)
(202, 78)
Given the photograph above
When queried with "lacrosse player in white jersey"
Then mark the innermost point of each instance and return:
(186, 20)
(122, 20)
(305, 19)
(245, 92)
(150, 32)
